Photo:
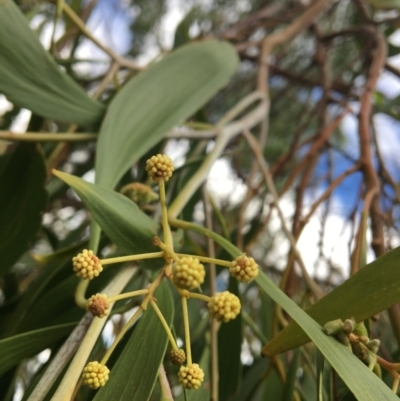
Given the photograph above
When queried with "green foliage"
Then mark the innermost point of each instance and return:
(22, 200)
(30, 78)
(192, 92)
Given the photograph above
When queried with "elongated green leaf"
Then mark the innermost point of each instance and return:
(14, 349)
(364, 384)
(22, 199)
(135, 373)
(120, 218)
(30, 77)
(157, 99)
(229, 351)
(374, 288)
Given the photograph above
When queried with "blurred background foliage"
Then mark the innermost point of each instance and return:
(314, 149)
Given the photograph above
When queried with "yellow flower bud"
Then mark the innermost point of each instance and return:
(159, 168)
(244, 269)
(188, 273)
(95, 375)
(87, 265)
(191, 376)
(224, 306)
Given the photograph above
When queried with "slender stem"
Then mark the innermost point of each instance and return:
(252, 324)
(165, 225)
(130, 258)
(80, 292)
(226, 133)
(187, 331)
(227, 245)
(82, 27)
(47, 137)
(165, 324)
(128, 295)
(213, 288)
(166, 228)
(312, 285)
(195, 295)
(168, 251)
(127, 326)
(152, 288)
(206, 259)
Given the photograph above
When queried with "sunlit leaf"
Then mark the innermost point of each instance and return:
(156, 100)
(120, 218)
(30, 78)
(364, 384)
(22, 200)
(373, 289)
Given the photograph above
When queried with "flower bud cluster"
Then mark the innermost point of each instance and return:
(244, 269)
(224, 306)
(188, 273)
(177, 356)
(355, 336)
(95, 375)
(87, 265)
(160, 168)
(191, 376)
(98, 305)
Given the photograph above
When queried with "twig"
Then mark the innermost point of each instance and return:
(47, 137)
(82, 27)
(213, 290)
(311, 284)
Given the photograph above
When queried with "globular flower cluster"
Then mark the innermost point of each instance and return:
(191, 376)
(177, 356)
(98, 305)
(244, 269)
(188, 273)
(224, 306)
(95, 375)
(160, 168)
(87, 265)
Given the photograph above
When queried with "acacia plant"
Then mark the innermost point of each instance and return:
(124, 277)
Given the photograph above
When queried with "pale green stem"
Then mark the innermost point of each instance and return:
(82, 27)
(130, 258)
(226, 133)
(66, 388)
(80, 292)
(128, 295)
(197, 296)
(187, 331)
(250, 322)
(165, 324)
(127, 326)
(164, 212)
(168, 250)
(206, 259)
(227, 245)
(50, 137)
